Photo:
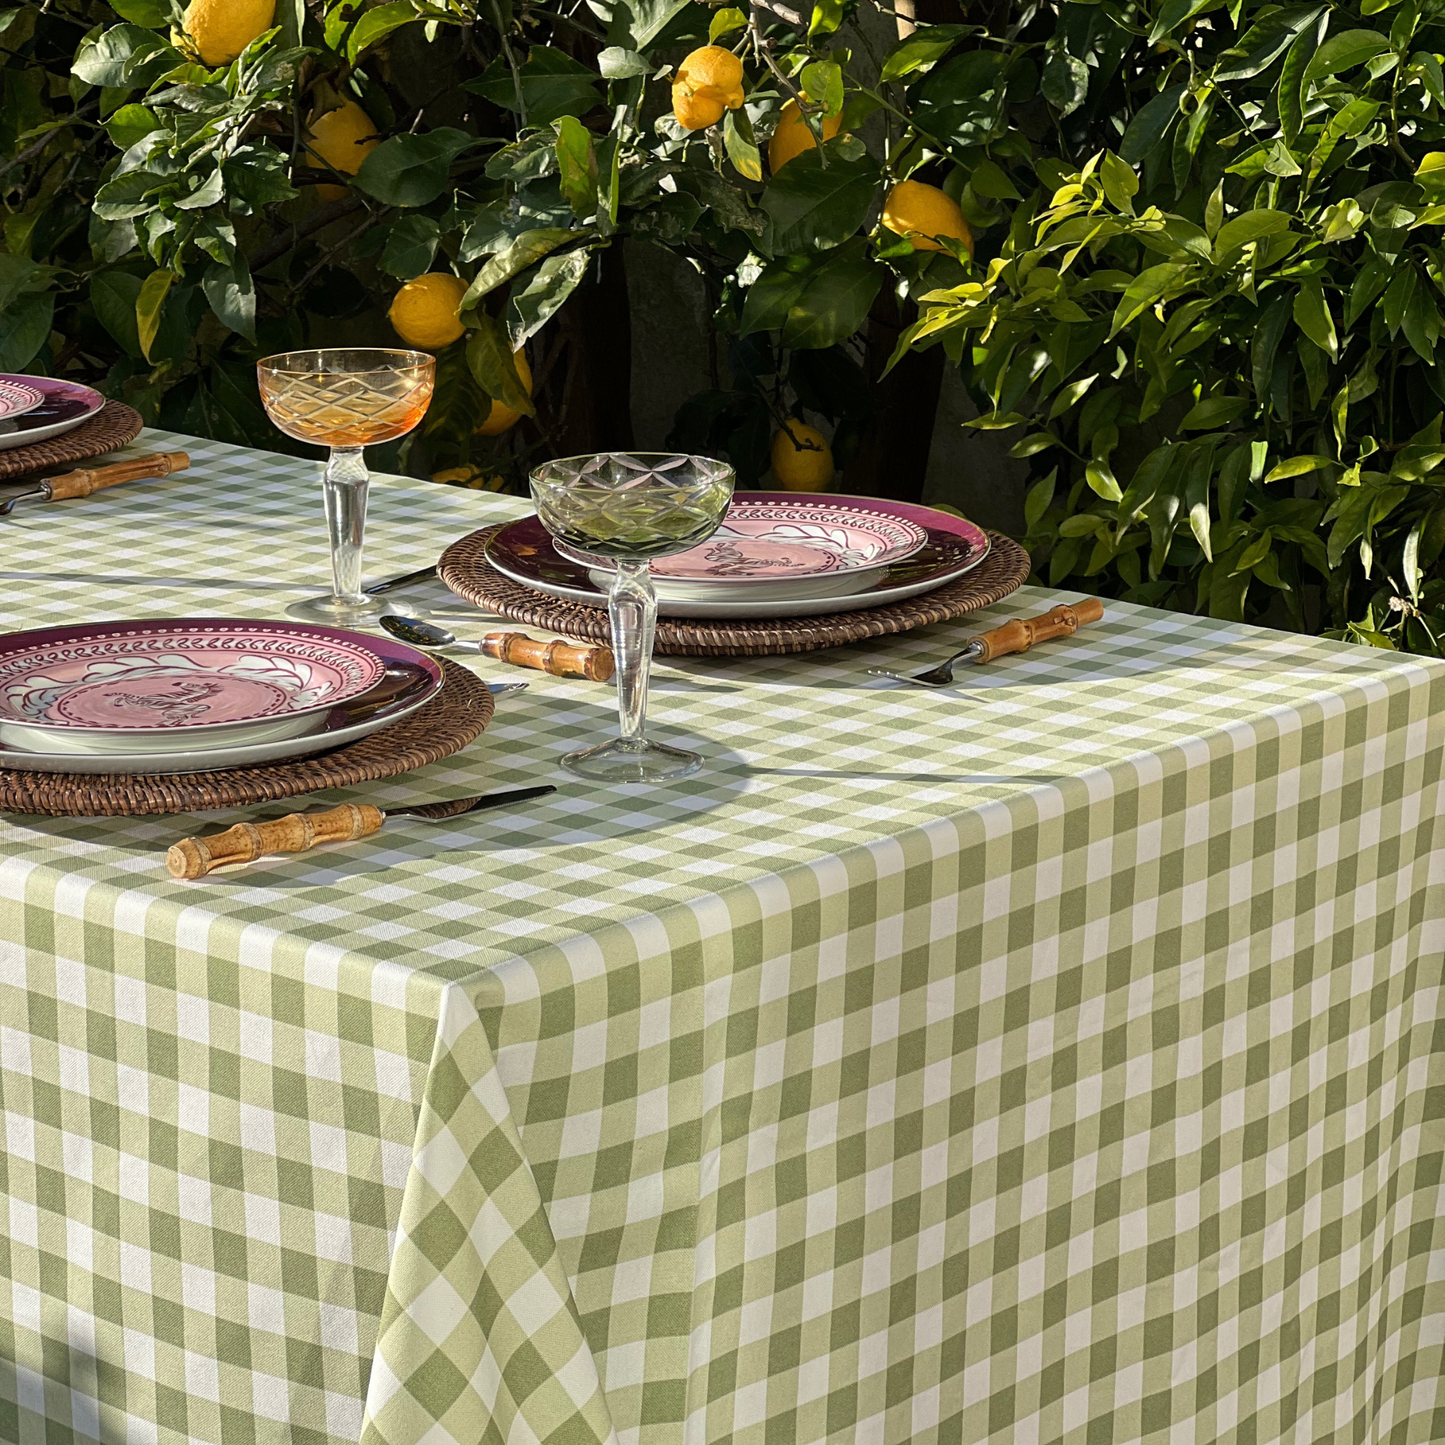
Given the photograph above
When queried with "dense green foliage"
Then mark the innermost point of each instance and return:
(1206, 294)
(166, 221)
(1213, 320)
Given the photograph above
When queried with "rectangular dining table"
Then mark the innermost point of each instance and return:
(1056, 1058)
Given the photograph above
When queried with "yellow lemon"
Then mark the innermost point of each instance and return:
(793, 137)
(424, 312)
(221, 29)
(913, 207)
(802, 462)
(342, 139)
(473, 478)
(501, 417)
(707, 83)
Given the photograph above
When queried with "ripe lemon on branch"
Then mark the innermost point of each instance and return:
(502, 417)
(793, 137)
(708, 83)
(424, 312)
(922, 212)
(802, 462)
(221, 29)
(341, 138)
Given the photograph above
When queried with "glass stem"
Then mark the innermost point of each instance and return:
(632, 610)
(344, 490)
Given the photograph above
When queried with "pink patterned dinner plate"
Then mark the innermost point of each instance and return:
(63, 405)
(771, 537)
(17, 397)
(158, 684)
(524, 551)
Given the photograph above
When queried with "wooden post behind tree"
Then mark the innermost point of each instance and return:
(593, 407)
(892, 459)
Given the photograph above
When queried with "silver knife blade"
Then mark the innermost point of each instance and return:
(457, 807)
(422, 574)
(40, 493)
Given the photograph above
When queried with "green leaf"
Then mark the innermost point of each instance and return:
(1214, 412)
(551, 284)
(988, 179)
(827, 16)
(816, 208)
(1298, 467)
(816, 301)
(823, 85)
(1410, 559)
(577, 166)
(741, 149)
(122, 57)
(1430, 173)
(1262, 43)
(553, 85)
(210, 191)
(1065, 81)
(1101, 479)
(1151, 124)
(1249, 226)
(1345, 51)
(962, 101)
(411, 170)
(130, 124)
(922, 48)
(411, 245)
(152, 14)
(643, 21)
(615, 63)
(1268, 333)
(489, 355)
(148, 303)
(1312, 316)
(1196, 493)
(112, 297)
(1030, 445)
(1036, 503)
(1372, 278)
(25, 328)
(232, 295)
(376, 24)
(527, 249)
(1291, 84)
(1121, 185)
(1148, 287)
(724, 22)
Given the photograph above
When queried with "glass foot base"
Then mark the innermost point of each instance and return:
(631, 761)
(338, 612)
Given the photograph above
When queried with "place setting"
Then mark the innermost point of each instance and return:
(625, 556)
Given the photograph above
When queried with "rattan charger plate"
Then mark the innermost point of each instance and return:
(112, 426)
(451, 720)
(465, 569)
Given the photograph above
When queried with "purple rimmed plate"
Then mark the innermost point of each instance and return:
(62, 408)
(523, 551)
(163, 688)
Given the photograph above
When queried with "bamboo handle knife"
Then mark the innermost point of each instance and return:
(94, 479)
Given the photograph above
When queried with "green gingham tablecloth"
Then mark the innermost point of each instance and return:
(1056, 1059)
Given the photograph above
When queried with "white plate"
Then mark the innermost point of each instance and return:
(844, 584)
(793, 607)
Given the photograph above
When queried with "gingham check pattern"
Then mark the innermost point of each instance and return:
(1056, 1060)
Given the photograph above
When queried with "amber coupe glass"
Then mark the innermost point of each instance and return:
(346, 400)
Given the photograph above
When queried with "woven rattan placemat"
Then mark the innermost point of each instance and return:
(451, 720)
(112, 426)
(465, 569)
